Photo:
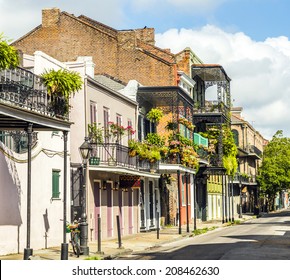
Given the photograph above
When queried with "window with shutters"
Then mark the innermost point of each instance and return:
(55, 183)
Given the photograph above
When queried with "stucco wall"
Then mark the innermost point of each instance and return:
(45, 211)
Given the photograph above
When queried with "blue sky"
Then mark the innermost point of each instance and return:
(249, 38)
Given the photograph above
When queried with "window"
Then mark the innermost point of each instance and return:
(93, 112)
(55, 183)
(106, 123)
(119, 119)
(236, 136)
(119, 123)
(129, 123)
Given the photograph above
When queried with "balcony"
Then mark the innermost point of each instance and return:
(116, 155)
(22, 89)
(253, 151)
(211, 107)
(199, 140)
(245, 179)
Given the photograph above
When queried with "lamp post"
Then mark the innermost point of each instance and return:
(85, 150)
(179, 195)
(186, 193)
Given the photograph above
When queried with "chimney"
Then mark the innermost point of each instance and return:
(50, 17)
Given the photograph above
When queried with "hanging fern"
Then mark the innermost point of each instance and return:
(62, 82)
(8, 54)
(60, 85)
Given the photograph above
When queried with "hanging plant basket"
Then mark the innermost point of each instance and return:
(154, 115)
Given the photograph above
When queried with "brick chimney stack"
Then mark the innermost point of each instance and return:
(50, 17)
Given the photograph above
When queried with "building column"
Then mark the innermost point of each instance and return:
(64, 245)
(28, 251)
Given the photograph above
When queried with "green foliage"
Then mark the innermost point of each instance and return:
(230, 149)
(171, 125)
(8, 54)
(151, 149)
(96, 133)
(155, 139)
(203, 230)
(93, 258)
(230, 152)
(60, 85)
(274, 172)
(62, 82)
(155, 115)
(178, 144)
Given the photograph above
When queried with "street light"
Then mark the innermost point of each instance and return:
(85, 150)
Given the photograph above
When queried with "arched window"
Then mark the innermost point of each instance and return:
(236, 136)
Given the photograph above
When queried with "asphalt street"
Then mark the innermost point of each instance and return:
(265, 238)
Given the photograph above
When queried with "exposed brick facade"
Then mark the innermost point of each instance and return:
(125, 55)
(185, 59)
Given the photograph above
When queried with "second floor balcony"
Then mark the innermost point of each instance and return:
(22, 89)
(244, 179)
(117, 155)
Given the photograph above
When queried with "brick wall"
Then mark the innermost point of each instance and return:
(124, 55)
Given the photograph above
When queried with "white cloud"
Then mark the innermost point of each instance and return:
(260, 71)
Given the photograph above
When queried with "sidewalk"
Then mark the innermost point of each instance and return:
(131, 243)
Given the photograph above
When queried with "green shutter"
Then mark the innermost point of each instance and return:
(55, 183)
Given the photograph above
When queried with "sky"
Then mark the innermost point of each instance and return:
(249, 38)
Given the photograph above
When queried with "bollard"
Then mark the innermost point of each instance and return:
(99, 234)
(157, 218)
(64, 251)
(119, 232)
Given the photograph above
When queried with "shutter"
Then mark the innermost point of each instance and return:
(55, 184)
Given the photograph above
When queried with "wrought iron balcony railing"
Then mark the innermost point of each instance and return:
(212, 106)
(21, 88)
(246, 179)
(114, 154)
(253, 149)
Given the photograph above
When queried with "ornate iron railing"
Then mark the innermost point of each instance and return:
(21, 88)
(114, 154)
(244, 178)
(212, 106)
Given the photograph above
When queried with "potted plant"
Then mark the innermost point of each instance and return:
(60, 85)
(96, 133)
(171, 125)
(134, 147)
(155, 115)
(94, 160)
